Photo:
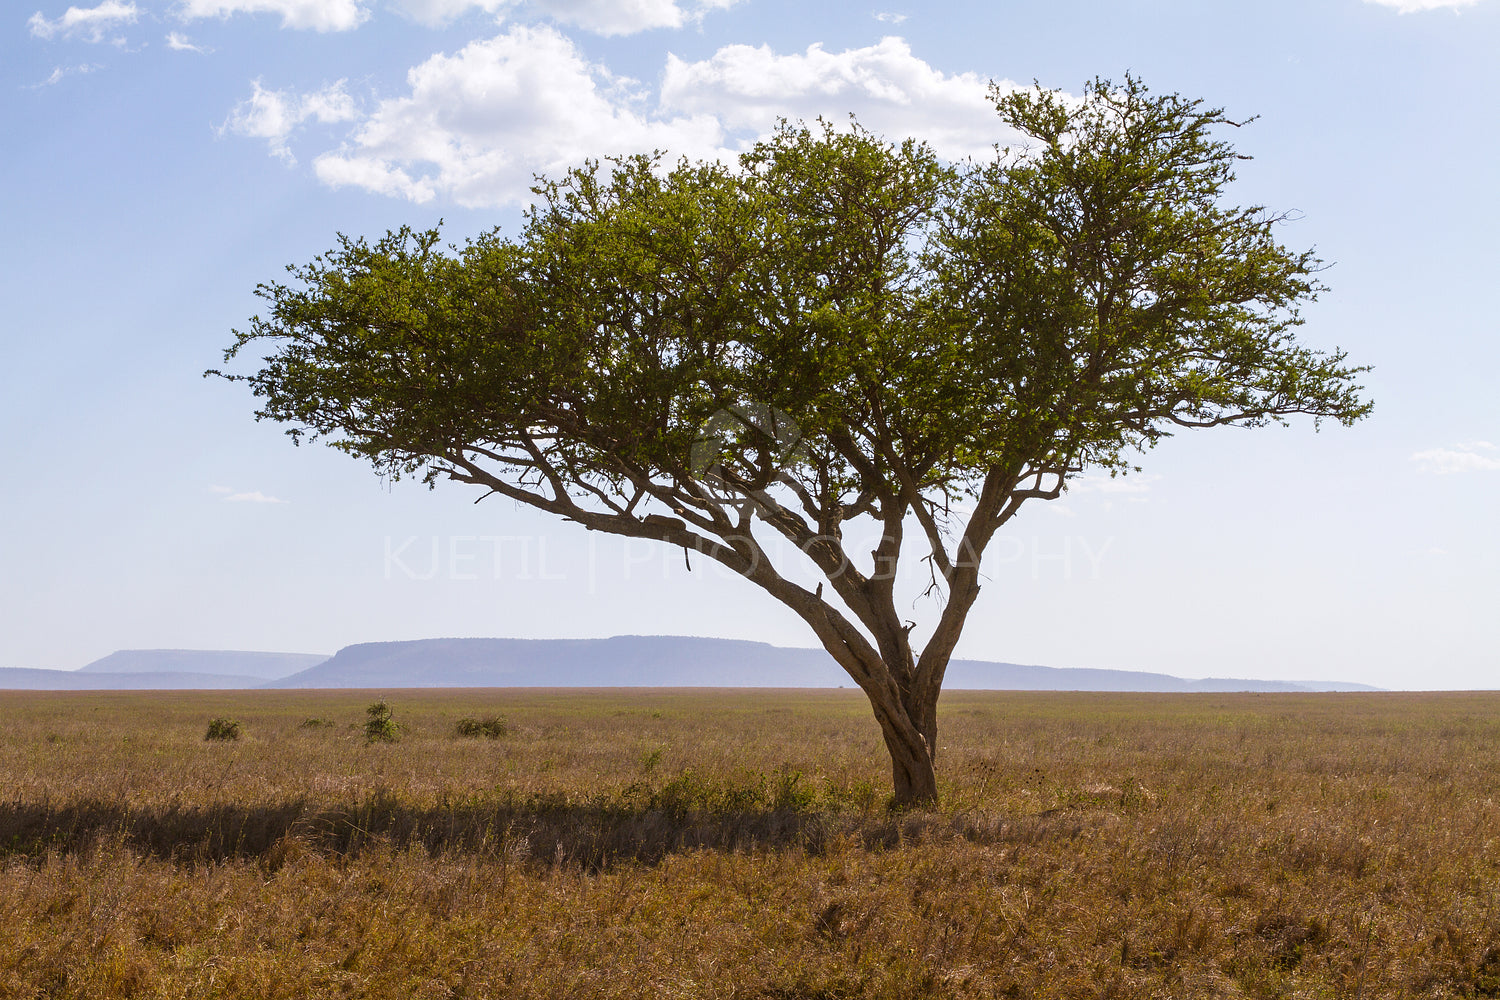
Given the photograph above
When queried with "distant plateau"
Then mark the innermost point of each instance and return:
(620, 661)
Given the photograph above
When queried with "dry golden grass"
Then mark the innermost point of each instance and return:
(716, 844)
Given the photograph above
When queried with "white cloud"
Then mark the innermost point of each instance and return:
(255, 497)
(626, 17)
(318, 15)
(273, 115)
(1474, 456)
(477, 125)
(92, 24)
(888, 18)
(1412, 6)
(439, 12)
(178, 42)
(892, 92)
(602, 17)
(61, 72)
(331, 104)
(373, 174)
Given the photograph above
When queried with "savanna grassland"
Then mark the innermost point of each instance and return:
(738, 844)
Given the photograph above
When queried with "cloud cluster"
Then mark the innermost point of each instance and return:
(273, 115)
(435, 13)
(889, 89)
(601, 17)
(1473, 456)
(316, 15)
(626, 17)
(478, 125)
(92, 24)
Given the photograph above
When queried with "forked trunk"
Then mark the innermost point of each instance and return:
(910, 736)
(902, 694)
(912, 773)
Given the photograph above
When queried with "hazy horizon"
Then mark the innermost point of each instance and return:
(103, 665)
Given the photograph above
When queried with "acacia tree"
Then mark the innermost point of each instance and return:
(841, 331)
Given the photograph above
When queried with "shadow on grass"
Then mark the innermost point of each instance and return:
(535, 830)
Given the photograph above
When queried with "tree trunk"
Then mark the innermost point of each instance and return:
(912, 774)
(885, 670)
(910, 734)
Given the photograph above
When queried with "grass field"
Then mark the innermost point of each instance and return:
(738, 844)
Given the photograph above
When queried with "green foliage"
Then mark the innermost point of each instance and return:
(379, 726)
(789, 791)
(491, 727)
(1055, 307)
(222, 729)
(315, 722)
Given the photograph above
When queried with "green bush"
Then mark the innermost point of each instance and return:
(788, 791)
(380, 727)
(649, 761)
(222, 729)
(491, 726)
(313, 722)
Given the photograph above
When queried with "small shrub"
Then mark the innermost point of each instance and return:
(313, 722)
(649, 761)
(862, 794)
(788, 791)
(686, 793)
(222, 729)
(380, 727)
(491, 727)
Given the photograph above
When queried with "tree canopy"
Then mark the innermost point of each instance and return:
(839, 328)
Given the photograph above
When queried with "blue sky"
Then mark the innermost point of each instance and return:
(162, 158)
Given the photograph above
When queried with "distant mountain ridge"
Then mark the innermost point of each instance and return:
(264, 666)
(683, 661)
(620, 661)
(164, 670)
